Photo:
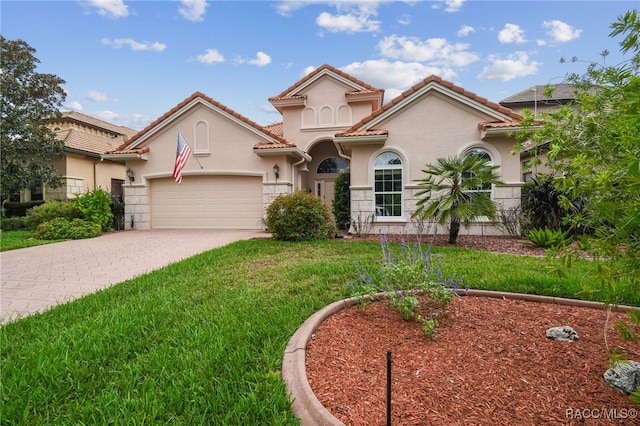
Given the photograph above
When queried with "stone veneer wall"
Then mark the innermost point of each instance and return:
(137, 204)
(270, 191)
(506, 196)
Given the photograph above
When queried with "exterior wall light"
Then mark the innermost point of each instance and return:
(276, 170)
(131, 176)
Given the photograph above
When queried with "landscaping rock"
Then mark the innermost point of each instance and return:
(564, 334)
(624, 376)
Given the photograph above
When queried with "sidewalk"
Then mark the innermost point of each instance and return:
(36, 278)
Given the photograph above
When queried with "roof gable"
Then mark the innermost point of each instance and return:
(367, 125)
(199, 98)
(295, 94)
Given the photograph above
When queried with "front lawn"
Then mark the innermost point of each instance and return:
(201, 341)
(11, 240)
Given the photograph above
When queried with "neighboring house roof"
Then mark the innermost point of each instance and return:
(360, 89)
(505, 117)
(88, 121)
(88, 135)
(130, 147)
(562, 93)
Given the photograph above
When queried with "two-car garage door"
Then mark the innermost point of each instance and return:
(207, 202)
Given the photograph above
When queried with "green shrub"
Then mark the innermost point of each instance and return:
(63, 229)
(342, 201)
(96, 207)
(299, 217)
(13, 224)
(51, 210)
(18, 209)
(548, 238)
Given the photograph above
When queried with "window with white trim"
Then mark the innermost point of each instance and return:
(483, 187)
(387, 186)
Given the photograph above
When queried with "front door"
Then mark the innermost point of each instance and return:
(324, 190)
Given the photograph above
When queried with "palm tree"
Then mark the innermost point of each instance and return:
(457, 190)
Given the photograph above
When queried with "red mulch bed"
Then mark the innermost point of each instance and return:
(491, 363)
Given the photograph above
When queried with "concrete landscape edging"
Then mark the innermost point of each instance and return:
(308, 408)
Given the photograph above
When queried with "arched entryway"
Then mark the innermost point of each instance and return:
(324, 168)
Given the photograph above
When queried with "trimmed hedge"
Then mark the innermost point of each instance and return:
(300, 216)
(63, 229)
(16, 209)
(13, 224)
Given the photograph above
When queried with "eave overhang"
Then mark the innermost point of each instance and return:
(345, 144)
(291, 152)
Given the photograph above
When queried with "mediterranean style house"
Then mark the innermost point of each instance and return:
(331, 122)
(82, 169)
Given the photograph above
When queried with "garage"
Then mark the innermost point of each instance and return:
(207, 202)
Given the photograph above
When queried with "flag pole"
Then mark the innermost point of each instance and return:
(194, 156)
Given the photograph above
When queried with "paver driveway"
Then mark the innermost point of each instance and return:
(34, 279)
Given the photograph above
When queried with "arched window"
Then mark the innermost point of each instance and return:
(483, 187)
(388, 184)
(332, 165)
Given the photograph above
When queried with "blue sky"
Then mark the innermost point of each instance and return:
(129, 62)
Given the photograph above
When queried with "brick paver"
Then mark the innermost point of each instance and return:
(36, 278)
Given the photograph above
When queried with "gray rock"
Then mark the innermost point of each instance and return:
(564, 334)
(624, 376)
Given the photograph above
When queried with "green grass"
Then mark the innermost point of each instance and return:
(11, 240)
(201, 341)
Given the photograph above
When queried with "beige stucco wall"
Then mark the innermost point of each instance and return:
(432, 127)
(224, 147)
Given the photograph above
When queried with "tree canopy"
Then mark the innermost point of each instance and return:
(28, 98)
(594, 147)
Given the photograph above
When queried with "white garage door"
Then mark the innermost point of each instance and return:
(207, 202)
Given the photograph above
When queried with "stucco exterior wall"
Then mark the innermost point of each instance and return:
(433, 127)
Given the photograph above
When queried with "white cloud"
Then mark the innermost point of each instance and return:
(449, 5)
(453, 5)
(510, 67)
(95, 96)
(465, 30)
(135, 45)
(286, 7)
(511, 33)
(110, 8)
(396, 76)
(210, 56)
(307, 70)
(261, 59)
(348, 23)
(267, 108)
(560, 31)
(193, 10)
(404, 19)
(74, 106)
(437, 51)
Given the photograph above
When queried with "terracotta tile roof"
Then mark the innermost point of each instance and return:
(365, 87)
(92, 122)
(497, 124)
(276, 128)
(273, 145)
(128, 146)
(356, 128)
(365, 132)
(143, 150)
(88, 141)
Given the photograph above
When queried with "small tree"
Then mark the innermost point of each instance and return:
(452, 192)
(342, 200)
(27, 98)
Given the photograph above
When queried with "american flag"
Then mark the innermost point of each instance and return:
(182, 155)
